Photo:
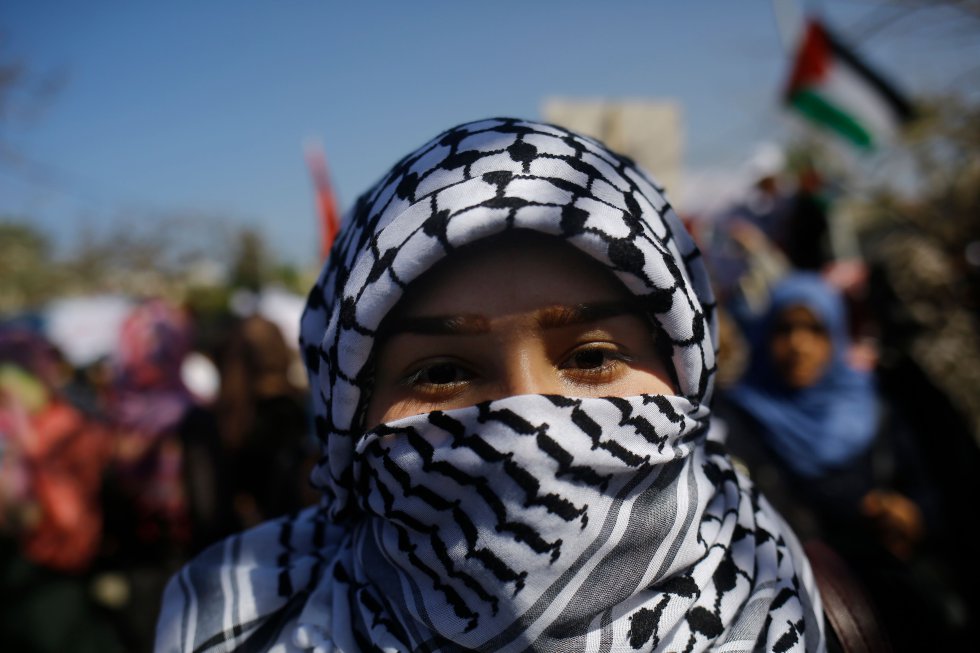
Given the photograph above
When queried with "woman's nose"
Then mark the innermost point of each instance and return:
(526, 371)
(800, 339)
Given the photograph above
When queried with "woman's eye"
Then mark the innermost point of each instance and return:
(439, 374)
(594, 359)
(589, 359)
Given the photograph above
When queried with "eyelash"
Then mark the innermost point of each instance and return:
(613, 359)
(414, 380)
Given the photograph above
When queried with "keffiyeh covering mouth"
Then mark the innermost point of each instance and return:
(532, 522)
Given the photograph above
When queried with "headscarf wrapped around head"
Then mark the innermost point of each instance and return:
(153, 341)
(531, 522)
(149, 396)
(472, 182)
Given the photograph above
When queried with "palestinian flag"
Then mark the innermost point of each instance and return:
(833, 88)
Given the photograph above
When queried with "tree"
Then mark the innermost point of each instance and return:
(250, 267)
(26, 267)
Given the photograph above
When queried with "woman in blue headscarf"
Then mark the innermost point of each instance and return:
(811, 430)
(804, 419)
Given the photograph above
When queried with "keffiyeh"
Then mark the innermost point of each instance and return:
(532, 522)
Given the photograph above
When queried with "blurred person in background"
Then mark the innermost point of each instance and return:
(929, 333)
(163, 494)
(807, 238)
(837, 461)
(264, 424)
(767, 205)
(775, 229)
(52, 458)
(745, 243)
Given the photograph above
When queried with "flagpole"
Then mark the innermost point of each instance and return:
(789, 18)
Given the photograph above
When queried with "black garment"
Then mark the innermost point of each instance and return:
(46, 611)
(915, 598)
(929, 363)
(143, 553)
(206, 472)
(807, 232)
(269, 467)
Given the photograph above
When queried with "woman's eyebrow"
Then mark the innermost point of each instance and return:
(551, 317)
(437, 325)
(554, 317)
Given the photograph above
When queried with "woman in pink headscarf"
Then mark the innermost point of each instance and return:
(148, 403)
(163, 500)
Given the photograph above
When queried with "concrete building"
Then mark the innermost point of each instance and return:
(648, 131)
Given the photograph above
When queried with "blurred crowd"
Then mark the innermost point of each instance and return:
(114, 473)
(848, 392)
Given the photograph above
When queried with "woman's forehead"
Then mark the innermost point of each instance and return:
(799, 313)
(518, 272)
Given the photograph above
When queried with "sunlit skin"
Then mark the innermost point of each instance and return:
(800, 347)
(517, 315)
(897, 520)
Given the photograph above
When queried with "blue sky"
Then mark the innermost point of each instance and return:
(204, 107)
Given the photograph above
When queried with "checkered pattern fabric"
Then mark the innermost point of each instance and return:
(533, 522)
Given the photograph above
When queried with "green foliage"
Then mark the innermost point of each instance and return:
(25, 266)
(177, 257)
(945, 146)
(249, 268)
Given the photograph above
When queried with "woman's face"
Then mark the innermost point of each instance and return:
(529, 316)
(800, 347)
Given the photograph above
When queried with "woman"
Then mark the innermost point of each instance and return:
(840, 463)
(264, 424)
(52, 457)
(808, 419)
(149, 405)
(511, 461)
(162, 494)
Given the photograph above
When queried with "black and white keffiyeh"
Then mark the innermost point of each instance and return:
(533, 522)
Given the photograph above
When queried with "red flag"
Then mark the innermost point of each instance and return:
(325, 200)
(835, 89)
